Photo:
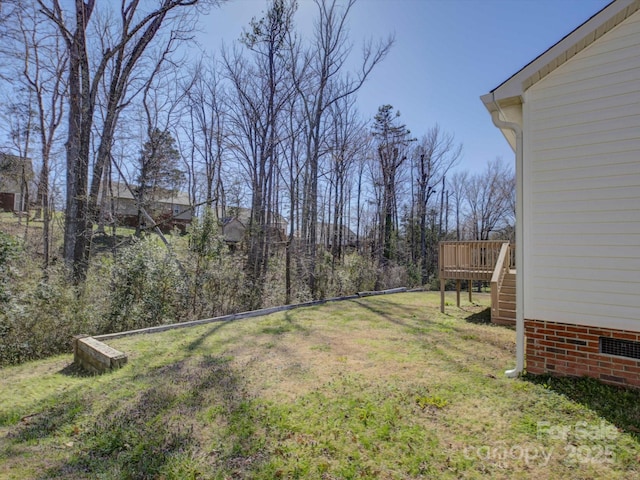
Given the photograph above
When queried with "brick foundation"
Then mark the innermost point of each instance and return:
(573, 350)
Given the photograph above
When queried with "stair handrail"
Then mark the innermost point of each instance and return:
(501, 268)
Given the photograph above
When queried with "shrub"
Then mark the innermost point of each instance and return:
(393, 276)
(323, 274)
(9, 249)
(147, 287)
(414, 275)
(361, 272)
(219, 287)
(205, 240)
(216, 276)
(10, 344)
(39, 321)
(52, 317)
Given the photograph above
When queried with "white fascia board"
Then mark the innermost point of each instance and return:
(603, 21)
(508, 97)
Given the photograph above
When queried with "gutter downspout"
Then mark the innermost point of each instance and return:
(517, 129)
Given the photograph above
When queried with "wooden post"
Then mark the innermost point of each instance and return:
(458, 293)
(442, 295)
(469, 284)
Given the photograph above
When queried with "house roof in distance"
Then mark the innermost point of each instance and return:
(243, 215)
(120, 190)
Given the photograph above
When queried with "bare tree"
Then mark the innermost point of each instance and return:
(208, 129)
(456, 183)
(321, 80)
(10, 34)
(21, 121)
(158, 171)
(433, 158)
(489, 199)
(291, 175)
(45, 60)
(262, 90)
(137, 30)
(364, 165)
(391, 140)
(345, 144)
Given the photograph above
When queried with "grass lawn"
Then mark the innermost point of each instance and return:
(381, 387)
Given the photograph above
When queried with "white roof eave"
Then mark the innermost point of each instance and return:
(511, 91)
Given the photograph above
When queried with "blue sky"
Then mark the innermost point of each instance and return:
(447, 53)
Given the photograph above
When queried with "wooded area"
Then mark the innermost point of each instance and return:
(102, 93)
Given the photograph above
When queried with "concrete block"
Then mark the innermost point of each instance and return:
(95, 356)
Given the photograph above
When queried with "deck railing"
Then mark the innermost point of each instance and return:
(475, 260)
(469, 260)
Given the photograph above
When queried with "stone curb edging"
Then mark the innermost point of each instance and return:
(249, 314)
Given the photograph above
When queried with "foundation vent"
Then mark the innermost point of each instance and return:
(620, 348)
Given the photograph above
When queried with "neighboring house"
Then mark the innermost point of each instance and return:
(325, 235)
(572, 116)
(236, 220)
(15, 175)
(168, 209)
(233, 231)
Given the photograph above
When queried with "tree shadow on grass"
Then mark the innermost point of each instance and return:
(156, 433)
(620, 406)
(378, 309)
(194, 345)
(480, 318)
(73, 370)
(50, 421)
(290, 324)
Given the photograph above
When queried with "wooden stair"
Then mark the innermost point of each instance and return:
(484, 260)
(506, 311)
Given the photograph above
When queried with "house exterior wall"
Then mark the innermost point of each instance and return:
(582, 187)
(182, 212)
(126, 210)
(233, 231)
(13, 195)
(126, 206)
(13, 202)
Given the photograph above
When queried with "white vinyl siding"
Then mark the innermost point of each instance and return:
(582, 186)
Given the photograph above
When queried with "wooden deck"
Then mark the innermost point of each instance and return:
(489, 261)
